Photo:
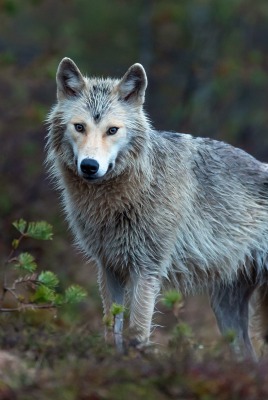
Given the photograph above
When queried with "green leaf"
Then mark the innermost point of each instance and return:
(74, 294)
(20, 225)
(171, 298)
(39, 230)
(108, 321)
(15, 243)
(10, 7)
(59, 300)
(117, 309)
(48, 279)
(230, 336)
(44, 294)
(26, 262)
(182, 330)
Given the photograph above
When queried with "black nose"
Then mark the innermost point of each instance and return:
(89, 166)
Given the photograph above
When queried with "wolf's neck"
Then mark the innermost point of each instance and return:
(119, 191)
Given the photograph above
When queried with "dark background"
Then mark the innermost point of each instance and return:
(206, 62)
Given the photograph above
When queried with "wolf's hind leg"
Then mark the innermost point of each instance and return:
(145, 289)
(262, 311)
(112, 291)
(230, 304)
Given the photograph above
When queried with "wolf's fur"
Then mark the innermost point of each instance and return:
(164, 207)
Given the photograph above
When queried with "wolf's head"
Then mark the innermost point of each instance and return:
(97, 122)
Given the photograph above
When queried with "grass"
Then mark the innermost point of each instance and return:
(63, 360)
(60, 354)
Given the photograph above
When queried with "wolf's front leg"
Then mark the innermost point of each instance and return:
(145, 289)
(112, 291)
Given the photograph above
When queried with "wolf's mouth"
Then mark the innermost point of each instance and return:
(91, 178)
(95, 178)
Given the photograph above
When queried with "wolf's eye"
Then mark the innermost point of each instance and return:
(79, 128)
(112, 130)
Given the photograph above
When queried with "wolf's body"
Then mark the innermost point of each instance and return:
(157, 207)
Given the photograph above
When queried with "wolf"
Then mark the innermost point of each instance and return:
(157, 208)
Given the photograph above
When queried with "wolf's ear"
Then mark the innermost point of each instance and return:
(69, 79)
(133, 84)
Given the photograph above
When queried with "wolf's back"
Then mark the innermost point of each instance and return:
(222, 194)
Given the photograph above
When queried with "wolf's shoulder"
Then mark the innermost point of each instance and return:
(205, 147)
(207, 157)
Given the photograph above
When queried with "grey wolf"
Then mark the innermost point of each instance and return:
(154, 208)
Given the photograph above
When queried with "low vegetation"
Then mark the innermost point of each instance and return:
(43, 357)
(51, 349)
(31, 289)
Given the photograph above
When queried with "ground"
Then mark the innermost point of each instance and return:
(63, 356)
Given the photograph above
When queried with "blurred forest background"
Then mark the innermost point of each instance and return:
(207, 66)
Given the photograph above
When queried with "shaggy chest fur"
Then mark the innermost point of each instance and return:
(124, 224)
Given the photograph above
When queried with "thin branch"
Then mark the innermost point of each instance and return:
(9, 259)
(28, 306)
(14, 294)
(23, 235)
(25, 279)
(12, 289)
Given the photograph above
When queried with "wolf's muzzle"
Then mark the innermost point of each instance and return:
(89, 168)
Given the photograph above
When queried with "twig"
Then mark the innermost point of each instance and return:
(10, 259)
(28, 306)
(23, 235)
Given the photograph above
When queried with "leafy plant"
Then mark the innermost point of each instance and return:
(172, 297)
(173, 300)
(116, 309)
(181, 335)
(109, 319)
(31, 289)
